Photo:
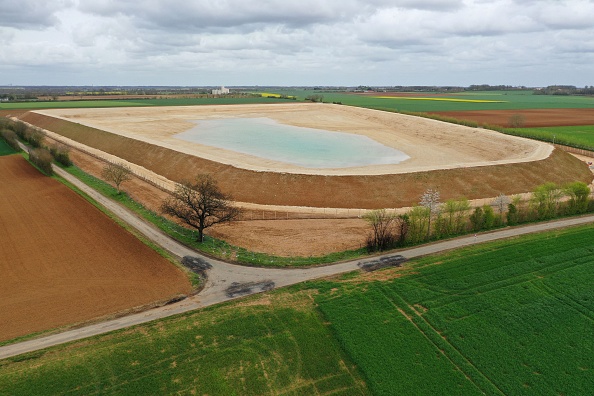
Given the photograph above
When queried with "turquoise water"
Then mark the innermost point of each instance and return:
(306, 147)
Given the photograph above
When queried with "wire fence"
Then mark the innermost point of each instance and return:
(585, 153)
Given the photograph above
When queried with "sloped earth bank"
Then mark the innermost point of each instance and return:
(533, 118)
(354, 191)
(302, 237)
(63, 261)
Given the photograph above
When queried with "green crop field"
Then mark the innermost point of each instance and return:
(271, 347)
(576, 136)
(138, 103)
(513, 317)
(510, 317)
(497, 100)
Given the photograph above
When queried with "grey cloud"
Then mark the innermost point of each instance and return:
(299, 42)
(32, 14)
(433, 5)
(203, 14)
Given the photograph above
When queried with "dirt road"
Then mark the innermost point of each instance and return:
(222, 274)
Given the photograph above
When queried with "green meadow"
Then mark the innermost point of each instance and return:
(497, 100)
(138, 103)
(5, 149)
(576, 136)
(510, 317)
(494, 100)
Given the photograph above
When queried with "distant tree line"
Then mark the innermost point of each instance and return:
(433, 220)
(565, 90)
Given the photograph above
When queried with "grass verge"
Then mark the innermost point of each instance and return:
(5, 149)
(272, 344)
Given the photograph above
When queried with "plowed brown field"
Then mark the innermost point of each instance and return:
(532, 117)
(63, 261)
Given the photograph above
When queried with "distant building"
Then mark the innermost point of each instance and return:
(222, 91)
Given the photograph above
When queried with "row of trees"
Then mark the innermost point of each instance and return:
(565, 90)
(431, 219)
(40, 154)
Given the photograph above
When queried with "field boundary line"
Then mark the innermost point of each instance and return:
(566, 300)
(575, 150)
(418, 316)
(513, 280)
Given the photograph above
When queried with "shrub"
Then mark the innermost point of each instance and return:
(513, 217)
(591, 206)
(61, 154)
(34, 137)
(488, 217)
(545, 200)
(20, 128)
(477, 219)
(579, 197)
(383, 235)
(11, 138)
(517, 121)
(43, 159)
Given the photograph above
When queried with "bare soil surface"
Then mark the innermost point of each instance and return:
(64, 262)
(289, 238)
(326, 191)
(532, 117)
(430, 144)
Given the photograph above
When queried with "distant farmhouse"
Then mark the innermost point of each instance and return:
(222, 91)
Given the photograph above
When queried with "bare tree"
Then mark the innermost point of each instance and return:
(382, 224)
(500, 203)
(200, 204)
(117, 174)
(430, 200)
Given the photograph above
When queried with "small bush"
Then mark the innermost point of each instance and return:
(11, 138)
(34, 137)
(517, 121)
(591, 206)
(61, 154)
(20, 128)
(43, 159)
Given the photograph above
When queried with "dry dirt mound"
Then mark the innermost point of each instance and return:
(63, 261)
(532, 117)
(356, 191)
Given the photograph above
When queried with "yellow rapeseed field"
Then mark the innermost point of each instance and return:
(273, 95)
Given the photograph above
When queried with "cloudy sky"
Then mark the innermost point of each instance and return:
(296, 42)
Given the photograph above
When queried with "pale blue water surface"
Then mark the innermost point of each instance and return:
(306, 147)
